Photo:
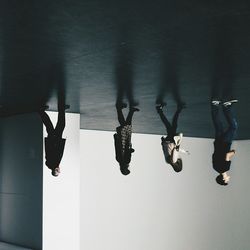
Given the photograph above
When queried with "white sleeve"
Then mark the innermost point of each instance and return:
(175, 155)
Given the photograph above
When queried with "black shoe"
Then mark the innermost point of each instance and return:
(230, 102)
(134, 109)
(133, 103)
(66, 106)
(215, 102)
(181, 105)
(43, 108)
(63, 107)
(159, 107)
(121, 105)
(160, 102)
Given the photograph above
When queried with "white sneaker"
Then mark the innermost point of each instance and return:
(215, 102)
(230, 102)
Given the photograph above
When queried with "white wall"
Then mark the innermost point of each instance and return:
(61, 195)
(156, 208)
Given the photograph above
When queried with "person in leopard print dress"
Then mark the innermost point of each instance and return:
(122, 138)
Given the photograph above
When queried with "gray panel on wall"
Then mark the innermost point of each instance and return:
(21, 180)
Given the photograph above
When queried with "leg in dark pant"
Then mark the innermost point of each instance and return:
(167, 124)
(216, 121)
(120, 116)
(47, 122)
(60, 123)
(130, 116)
(232, 128)
(175, 120)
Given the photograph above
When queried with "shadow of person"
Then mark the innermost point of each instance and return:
(124, 72)
(122, 139)
(224, 70)
(25, 58)
(169, 82)
(171, 142)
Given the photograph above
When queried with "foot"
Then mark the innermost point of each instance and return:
(43, 108)
(215, 102)
(159, 107)
(133, 103)
(230, 102)
(159, 102)
(181, 105)
(121, 105)
(134, 109)
(64, 107)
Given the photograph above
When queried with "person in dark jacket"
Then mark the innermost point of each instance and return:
(122, 138)
(54, 143)
(222, 155)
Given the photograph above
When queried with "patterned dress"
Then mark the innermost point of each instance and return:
(125, 132)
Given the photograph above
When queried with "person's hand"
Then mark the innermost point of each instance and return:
(55, 172)
(226, 177)
(230, 154)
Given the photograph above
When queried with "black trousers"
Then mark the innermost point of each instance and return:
(121, 118)
(170, 127)
(58, 130)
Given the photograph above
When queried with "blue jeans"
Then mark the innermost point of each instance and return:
(228, 134)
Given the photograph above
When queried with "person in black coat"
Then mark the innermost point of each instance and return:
(54, 143)
(122, 138)
(222, 155)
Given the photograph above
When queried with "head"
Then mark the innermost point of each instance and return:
(177, 166)
(124, 169)
(223, 179)
(56, 171)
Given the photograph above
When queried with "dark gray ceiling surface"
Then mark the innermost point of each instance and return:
(185, 50)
